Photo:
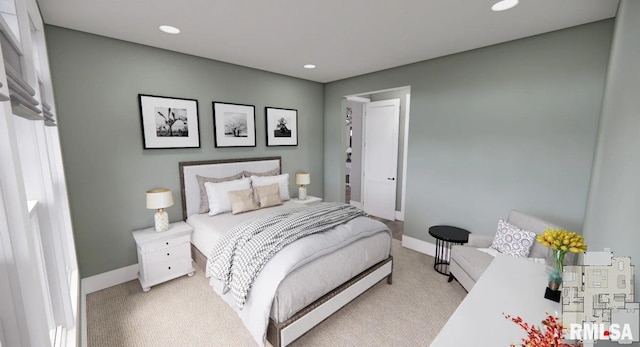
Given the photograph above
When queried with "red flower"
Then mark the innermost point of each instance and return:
(551, 337)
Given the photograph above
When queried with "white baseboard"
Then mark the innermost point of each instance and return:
(357, 204)
(425, 247)
(109, 279)
(400, 215)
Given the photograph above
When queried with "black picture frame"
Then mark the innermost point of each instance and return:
(234, 125)
(281, 126)
(169, 122)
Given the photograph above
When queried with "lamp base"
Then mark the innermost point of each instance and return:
(302, 193)
(161, 219)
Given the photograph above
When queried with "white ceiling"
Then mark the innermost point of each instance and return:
(344, 38)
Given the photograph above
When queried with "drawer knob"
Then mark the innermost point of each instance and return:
(167, 243)
(169, 267)
(168, 254)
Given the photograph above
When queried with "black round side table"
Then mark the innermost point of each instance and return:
(446, 236)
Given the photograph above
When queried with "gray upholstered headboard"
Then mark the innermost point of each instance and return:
(189, 190)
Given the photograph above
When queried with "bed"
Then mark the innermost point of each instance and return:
(338, 274)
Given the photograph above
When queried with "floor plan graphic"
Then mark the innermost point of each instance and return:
(598, 301)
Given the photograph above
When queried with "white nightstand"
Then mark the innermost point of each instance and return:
(163, 256)
(310, 200)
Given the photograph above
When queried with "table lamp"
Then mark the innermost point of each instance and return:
(160, 199)
(302, 179)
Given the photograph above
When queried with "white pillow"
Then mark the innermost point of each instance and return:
(218, 194)
(282, 180)
(512, 240)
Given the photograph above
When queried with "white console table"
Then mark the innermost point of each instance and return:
(510, 285)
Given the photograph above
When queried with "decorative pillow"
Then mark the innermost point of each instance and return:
(273, 172)
(204, 200)
(269, 195)
(218, 194)
(282, 180)
(242, 201)
(512, 240)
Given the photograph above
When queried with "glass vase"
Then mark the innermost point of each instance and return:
(555, 277)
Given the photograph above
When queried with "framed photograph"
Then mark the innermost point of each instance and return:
(282, 126)
(169, 122)
(234, 125)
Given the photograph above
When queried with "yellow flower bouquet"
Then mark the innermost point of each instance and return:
(561, 242)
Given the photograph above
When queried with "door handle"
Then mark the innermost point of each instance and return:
(391, 178)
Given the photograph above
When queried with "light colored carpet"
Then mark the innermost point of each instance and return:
(186, 312)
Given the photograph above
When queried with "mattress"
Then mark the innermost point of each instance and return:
(311, 281)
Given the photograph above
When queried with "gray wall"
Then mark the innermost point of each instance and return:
(506, 126)
(97, 81)
(402, 95)
(613, 210)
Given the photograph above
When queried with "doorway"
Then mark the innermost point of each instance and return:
(380, 158)
(358, 190)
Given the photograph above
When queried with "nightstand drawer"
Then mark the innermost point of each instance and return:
(171, 253)
(168, 269)
(162, 244)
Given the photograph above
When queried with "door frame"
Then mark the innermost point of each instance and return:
(407, 102)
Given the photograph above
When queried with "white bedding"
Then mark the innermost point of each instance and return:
(207, 229)
(257, 308)
(294, 293)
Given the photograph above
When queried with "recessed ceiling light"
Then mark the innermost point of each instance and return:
(504, 5)
(309, 66)
(169, 29)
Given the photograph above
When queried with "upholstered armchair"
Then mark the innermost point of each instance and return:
(467, 263)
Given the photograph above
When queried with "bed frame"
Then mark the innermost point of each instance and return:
(278, 334)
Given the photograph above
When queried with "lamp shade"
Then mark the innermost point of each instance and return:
(303, 178)
(159, 198)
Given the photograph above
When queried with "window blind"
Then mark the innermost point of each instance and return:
(49, 118)
(3, 96)
(21, 93)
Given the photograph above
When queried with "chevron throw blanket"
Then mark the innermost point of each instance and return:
(243, 251)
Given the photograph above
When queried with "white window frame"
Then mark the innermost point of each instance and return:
(39, 295)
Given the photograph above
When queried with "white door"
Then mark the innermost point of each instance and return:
(381, 122)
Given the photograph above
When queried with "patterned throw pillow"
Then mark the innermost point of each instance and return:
(512, 240)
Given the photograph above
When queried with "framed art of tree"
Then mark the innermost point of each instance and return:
(234, 125)
(282, 126)
(169, 122)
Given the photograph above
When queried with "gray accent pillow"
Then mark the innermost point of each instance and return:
(204, 199)
(512, 240)
(273, 172)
